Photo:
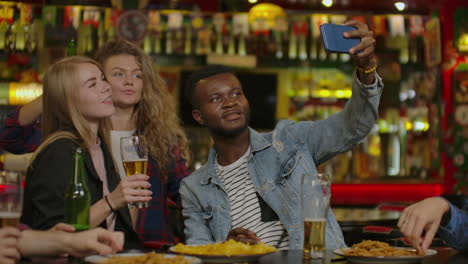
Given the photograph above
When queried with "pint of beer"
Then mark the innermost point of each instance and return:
(11, 198)
(134, 152)
(314, 236)
(315, 204)
(135, 167)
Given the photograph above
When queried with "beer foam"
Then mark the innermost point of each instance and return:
(315, 219)
(10, 214)
(135, 160)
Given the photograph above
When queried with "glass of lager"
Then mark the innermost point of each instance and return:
(134, 151)
(11, 198)
(315, 198)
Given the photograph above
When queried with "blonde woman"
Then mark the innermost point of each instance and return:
(145, 107)
(77, 104)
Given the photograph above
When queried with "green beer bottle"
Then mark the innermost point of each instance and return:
(71, 48)
(77, 197)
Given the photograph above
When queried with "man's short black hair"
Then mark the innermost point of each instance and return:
(201, 74)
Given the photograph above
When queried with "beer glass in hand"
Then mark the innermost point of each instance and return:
(11, 198)
(315, 198)
(134, 151)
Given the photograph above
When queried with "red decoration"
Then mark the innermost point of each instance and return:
(300, 28)
(18, 59)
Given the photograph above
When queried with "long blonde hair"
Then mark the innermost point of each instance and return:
(60, 118)
(155, 113)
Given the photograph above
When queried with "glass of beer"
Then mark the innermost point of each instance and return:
(315, 198)
(11, 198)
(134, 151)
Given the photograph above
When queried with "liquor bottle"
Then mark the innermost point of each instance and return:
(292, 53)
(147, 43)
(77, 196)
(169, 49)
(231, 44)
(219, 42)
(242, 50)
(89, 39)
(20, 37)
(101, 35)
(157, 42)
(278, 44)
(188, 40)
(71, 48)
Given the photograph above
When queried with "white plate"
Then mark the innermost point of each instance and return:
(387, 259)
(98, 259)
(225, 259)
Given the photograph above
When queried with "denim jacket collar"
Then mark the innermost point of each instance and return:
(257, 143)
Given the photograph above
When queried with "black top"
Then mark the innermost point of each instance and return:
(47, 180)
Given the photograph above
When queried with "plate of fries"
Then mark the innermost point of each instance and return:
(138, 258)
(370, 251)
(227, 252)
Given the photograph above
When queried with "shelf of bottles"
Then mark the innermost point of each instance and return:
(404, 144)
(266, 31)
(267, 37)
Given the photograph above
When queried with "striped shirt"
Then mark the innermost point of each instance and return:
(245, 207)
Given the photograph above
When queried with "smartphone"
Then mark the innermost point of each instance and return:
(333, 40)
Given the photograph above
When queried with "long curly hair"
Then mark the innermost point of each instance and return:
(155, 113)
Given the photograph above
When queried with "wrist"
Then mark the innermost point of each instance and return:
(368, 63)
(110, 204)
(66, 240)
(367, 68)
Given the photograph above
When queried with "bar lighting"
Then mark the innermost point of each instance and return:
(327, 3)
(23, 93)
(415, 126)
(400, 6)
(252, 1)
(325, 93)
(462, 43)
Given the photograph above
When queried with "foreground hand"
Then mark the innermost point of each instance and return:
(423, 216)
(362, 53)
(243, 235)
(94, 241)
(127, 192)
(9, 252)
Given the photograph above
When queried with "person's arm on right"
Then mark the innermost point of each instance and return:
(424, 216)
(454, 232)
(341, 131)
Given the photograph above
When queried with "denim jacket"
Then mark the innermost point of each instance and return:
(278, 160)
(455, 232)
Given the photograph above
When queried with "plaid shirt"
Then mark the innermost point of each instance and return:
(153, 222)
(19, 139)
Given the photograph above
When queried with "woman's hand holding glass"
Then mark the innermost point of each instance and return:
(134, 152)
(132, 189)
